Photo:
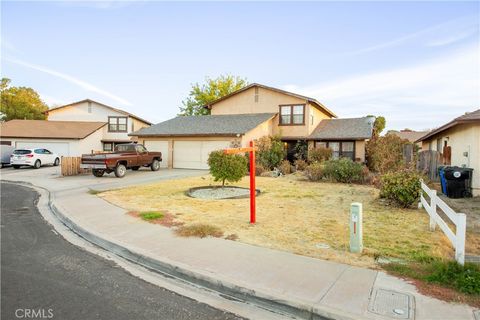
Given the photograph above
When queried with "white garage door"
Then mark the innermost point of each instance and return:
(60, 148)
(194, 154)
(161, 146)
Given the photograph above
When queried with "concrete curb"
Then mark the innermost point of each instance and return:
(225, 288)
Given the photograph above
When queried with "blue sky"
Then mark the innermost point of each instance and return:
(416, 63)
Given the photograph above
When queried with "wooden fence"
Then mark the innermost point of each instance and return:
(428, 162)
(71, 166)
(457, 238)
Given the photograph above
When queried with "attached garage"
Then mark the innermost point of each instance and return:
(60, 148)
(194, 154)
(186, 141)
(66, 138)
(161, 146)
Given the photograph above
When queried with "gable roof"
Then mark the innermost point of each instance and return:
(344, 129)
(103, 105)
(468, 117)
(313, 101)
(49, 129)
(409, 135)
(217, 125)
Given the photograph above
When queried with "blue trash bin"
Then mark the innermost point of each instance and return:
(443, 181)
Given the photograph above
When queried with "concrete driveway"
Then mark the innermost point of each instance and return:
(51, 178)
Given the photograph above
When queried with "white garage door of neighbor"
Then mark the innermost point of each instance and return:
(194, 154)
(60, 148)
(161, 146)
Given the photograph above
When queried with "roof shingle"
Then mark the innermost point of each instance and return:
(468, 117)
(48, 129)
(343, 129)
(216, 125)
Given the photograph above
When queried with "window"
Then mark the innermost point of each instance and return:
(439, 145)
(340, 149)
(45, 151)
(141, 149)
(256, 94)
(292, 114)
(107, 146)
(117, 124)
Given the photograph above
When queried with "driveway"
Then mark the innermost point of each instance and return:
(51, 178)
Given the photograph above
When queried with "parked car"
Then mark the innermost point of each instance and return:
(126, 156)
(6, 152)
(33, 157)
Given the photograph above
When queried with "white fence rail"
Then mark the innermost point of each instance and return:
(457, 238)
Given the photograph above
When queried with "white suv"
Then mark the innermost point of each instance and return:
(33, 157)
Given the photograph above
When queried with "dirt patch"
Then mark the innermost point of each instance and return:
(167, 220)
(199, 230)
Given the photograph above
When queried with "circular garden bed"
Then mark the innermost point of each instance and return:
(218, 193)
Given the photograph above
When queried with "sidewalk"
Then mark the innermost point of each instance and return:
(305, 287)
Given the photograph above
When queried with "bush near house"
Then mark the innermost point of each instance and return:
(300, 165)
(227, 167)
(319, 154)
(301, 150)
(344, 170)
(270, 152)
(402, 187)
(385, 154)
(314, 172)
(285, 167)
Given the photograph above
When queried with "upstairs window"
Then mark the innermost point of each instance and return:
(292, 114)
(117, 124)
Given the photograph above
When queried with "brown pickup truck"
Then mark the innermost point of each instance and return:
(126, 156)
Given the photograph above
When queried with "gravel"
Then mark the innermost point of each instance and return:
(219, 193)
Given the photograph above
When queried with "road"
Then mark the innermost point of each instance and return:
(45, 276)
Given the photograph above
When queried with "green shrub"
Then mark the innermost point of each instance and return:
(271, 151)
(285, 167)
(229, 167)
(314, 172)
(402, 187)
(344, 170)
(301, 150)
(151, 215)
(300, 165)
(319, 154)
(385, 154)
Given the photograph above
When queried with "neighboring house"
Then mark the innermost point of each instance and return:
(410, 135)
(250, 113)
(120, 123)
(462, 135)
(66, 138)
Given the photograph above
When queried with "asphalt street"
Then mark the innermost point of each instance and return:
(45, 277)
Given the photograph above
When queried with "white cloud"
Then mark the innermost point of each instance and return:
(82, 84)
(419, 96)
(442, 34)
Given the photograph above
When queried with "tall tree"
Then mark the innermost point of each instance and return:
(213, 89)
(378, 125)
(20, 102)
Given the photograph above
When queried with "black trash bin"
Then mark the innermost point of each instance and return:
(458, 181)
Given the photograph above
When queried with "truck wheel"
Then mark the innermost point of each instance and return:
(120, 171)
(98, 172)
(155, 166)
(135, 168)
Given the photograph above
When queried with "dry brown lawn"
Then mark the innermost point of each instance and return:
(295, 215)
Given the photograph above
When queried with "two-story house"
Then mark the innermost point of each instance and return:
(74, 129)
(248, 114)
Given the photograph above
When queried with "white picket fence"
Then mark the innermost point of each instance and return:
(457, 238)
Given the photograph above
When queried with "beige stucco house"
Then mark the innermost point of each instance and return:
(74, 129)
(462, 135)
(251, 113)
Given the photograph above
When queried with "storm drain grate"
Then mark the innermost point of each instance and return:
(392, 304)
(476, 314)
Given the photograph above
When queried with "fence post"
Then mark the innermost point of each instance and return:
(433, 207)
(460, 238)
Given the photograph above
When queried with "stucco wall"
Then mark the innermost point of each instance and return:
(264, 129)
(461, 138)
(268, 101)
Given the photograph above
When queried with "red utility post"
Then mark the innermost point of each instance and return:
(253, 190)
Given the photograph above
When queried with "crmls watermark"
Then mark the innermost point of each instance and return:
(40, 313)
